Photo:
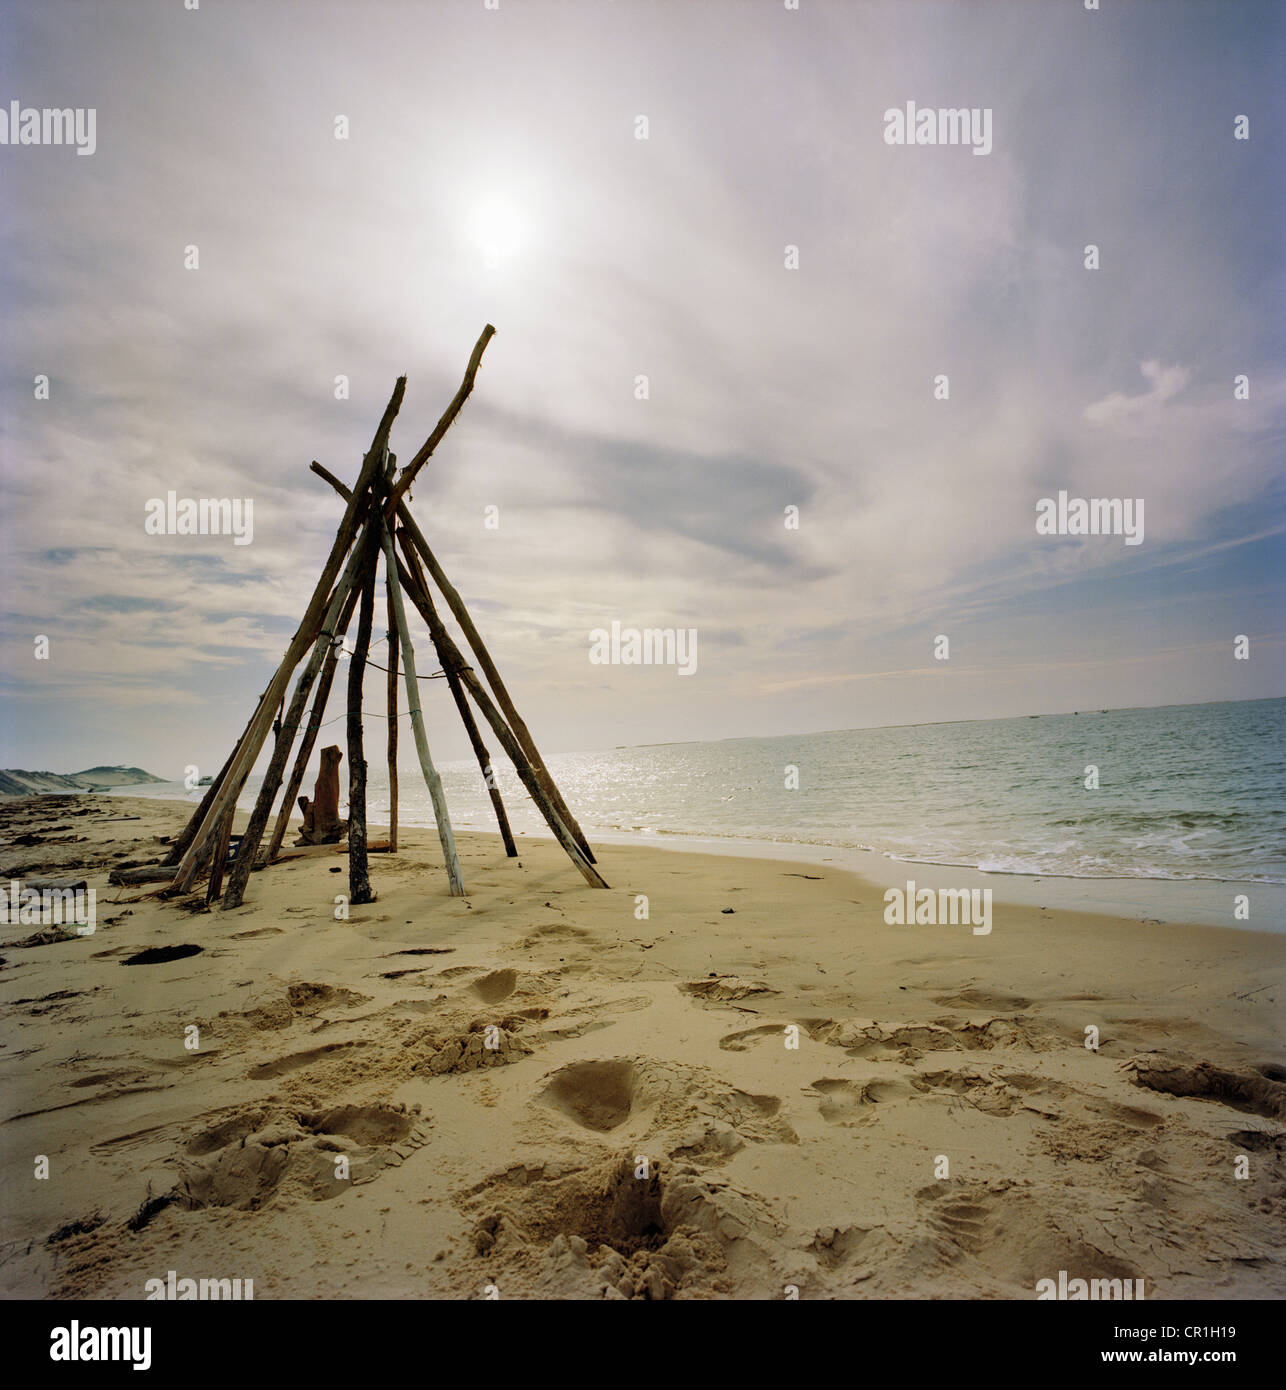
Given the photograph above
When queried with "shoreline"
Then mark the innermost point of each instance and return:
(1146, 901)
(1192, 902)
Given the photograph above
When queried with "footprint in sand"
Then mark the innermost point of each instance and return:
(248, 1159)
(1253, 1092)
(596, 1095)
(840, 1246)
(688, 1111)
(965, 1222)
(283, 1065)
(846, 1101)
(745, 1038)
(555, 934)
(498, 985)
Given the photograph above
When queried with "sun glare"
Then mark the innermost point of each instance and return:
(499, 230)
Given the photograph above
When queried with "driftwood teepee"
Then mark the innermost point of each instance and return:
(377, 523)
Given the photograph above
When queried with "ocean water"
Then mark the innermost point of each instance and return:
(1185, 792)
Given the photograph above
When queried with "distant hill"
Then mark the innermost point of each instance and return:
(112, 777)
(14, 781)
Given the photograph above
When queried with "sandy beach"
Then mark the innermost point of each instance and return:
(746, 1086)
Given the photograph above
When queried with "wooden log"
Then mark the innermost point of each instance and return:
(182, 841)
(220, 860)
(287, 728)
(440, 813)
(189, 831)
(470, 725)
(407, 475)
(390, 579)
(322, 825)
(203, 859)
(305, 636)
(451, 653)
(189, 867)
(147, 873)
(247, 751)
(474, 638)
(314, 724)
(483, 757)
(359, 880)
(69, 884)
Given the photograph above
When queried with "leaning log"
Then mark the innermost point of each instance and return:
(390, 579)
(407, 475)
(287, 728)
(475, 738)
(145, 873)
(310, 733)
(359, 879)
(431, 777)
(523, 734)
(413, 583)
(220, 860)
(305, 636)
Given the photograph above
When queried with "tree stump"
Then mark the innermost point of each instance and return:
(322, 825)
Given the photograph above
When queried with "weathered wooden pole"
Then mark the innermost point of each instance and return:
(390, 579)
(324, 682)
(359, 879)
(220, 857)
(474, 638)
(305, 637)
(440, 813)
(407, 475)
(289, 724)
(249, 846)
(471, 728)
(483, 757)
(189, 830)
(339, 596)
(451, 654)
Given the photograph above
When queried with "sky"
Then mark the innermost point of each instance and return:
(492, 173)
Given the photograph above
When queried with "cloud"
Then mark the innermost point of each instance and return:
(1119, 409)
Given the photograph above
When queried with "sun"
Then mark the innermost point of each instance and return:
(499, 230)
